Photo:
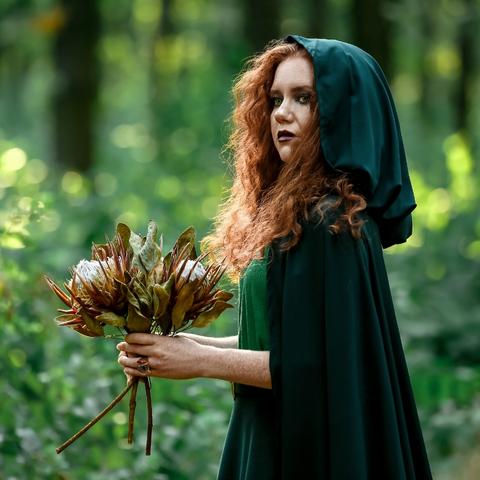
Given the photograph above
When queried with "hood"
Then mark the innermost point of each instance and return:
(360, 132)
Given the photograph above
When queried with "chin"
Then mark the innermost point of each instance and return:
(285, 155)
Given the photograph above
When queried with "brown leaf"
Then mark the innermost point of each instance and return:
(123, 231)
(71, 322)
(207, 317)
(186, 237)
(111, 318)
(160, 300)
(223, 295)
(93, 326)
(167, 262)
(66, 317)
(142, 294)
(150, 253)
(136, 322)
(132, 299)
(58, 291)
(165, 323)
(82, 329)
(169, 284)
(183, 303)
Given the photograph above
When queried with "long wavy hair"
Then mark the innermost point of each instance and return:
(269, 197)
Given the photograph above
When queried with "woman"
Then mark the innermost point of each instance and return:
(321, 184)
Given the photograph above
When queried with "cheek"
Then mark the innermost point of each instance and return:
(305, 117)
(272, 124)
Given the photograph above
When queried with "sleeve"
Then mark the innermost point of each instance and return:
(343, 399)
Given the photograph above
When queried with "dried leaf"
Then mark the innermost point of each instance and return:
(136, 242)
(141, 293)
(124, 232)
(165, 323)
(66, 317)
(150, 252)
(93, 326)
(58, 291)
(168, 285)
(207, 317)
(72, 322)
(223, 295)
(167, 262)
(132, 299)
(184, 302)
(136, 322)
(112, 319)
(83, 330)
(187, 237)
(160, 300)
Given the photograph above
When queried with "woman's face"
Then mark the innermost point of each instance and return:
(291, 94)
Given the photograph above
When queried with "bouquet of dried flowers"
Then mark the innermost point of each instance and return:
(128, 286)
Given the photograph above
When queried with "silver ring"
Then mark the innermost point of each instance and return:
(144, 368)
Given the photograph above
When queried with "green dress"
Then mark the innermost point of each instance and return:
(250, 450)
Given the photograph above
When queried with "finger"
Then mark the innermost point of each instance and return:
(122, 346)
(127, 355)
(139, 350)
(133, 372)
(141, 338)
(133, 362)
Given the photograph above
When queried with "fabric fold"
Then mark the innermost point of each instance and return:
(344, 403)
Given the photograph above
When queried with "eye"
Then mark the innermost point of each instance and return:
(276, 101)
(304, 98)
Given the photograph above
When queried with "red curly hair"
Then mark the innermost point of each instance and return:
(269, 197)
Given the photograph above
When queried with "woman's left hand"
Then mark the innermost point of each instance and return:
(174, 357)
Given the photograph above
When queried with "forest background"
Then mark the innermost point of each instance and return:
(117, 110)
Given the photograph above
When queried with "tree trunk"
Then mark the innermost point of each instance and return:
(158, 84)
(317, 20)
(261, 22)
(427, 92)
(372, 31)
(466, 47)
(77, 72)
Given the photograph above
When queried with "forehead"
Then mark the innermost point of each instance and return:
(293, 71)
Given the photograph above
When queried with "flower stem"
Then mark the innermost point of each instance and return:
(131, 411)
(148, 394)
(92, 422)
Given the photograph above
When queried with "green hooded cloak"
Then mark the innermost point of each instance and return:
(341, 405)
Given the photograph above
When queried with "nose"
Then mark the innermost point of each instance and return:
(283, 113)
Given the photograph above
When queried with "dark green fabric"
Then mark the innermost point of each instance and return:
(343, 399)
(250, 451)
(360, 132)
(252, 328)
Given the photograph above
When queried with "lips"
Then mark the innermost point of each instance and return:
(285, 135)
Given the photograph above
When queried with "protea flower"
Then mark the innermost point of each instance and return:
(97, 293)
(193, 270)
(129, 285)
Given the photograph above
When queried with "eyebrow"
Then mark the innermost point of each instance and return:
(295, 89)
